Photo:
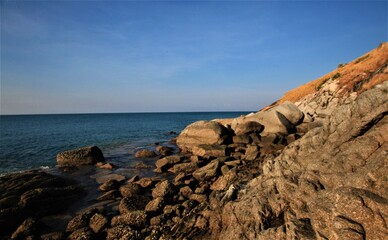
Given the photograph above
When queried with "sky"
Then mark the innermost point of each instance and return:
(174, 56)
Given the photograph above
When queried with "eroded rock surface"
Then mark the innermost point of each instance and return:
(32, 194)
(202, 132)
(330, 184)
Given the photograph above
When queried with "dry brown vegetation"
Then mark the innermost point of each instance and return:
(358, 75)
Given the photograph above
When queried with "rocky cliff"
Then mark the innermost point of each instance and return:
(313, 165)
(329, 184)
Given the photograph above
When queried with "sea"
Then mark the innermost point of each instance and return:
(33, 141)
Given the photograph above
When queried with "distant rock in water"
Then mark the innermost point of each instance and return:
(145, 153)
(78, 157)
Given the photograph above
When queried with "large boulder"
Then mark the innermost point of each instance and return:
(273, 121)
(248, 127)
(82, 156)
(290, 111)
(202, 132)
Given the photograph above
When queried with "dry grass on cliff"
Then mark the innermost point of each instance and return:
(357, 75)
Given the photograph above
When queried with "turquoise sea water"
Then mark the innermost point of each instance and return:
(32, 141)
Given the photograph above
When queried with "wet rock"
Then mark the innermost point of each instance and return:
(133, 219)
(137, 202)
(130, 190)
(98, 222)
(111, 184)
(209, 150)
(104, 178)
(82, 234)
(82, 156)
(134, 179)
(142, 165)
(109, 195)
(33, 194)
(145, 153)
(107, 166)
(27, 228)
(207, 172)
(122, 232)
(202, 132)
(164, 151)
(53, 236)
(81, 220)
(147, 182)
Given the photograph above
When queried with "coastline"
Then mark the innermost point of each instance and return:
(191, 192)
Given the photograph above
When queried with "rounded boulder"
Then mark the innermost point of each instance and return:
(82, 156)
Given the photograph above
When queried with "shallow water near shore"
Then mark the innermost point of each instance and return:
(32, 141)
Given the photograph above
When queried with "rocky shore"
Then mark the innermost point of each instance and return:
(313, 169)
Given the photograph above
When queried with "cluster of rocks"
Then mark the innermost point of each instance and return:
(276, 174)
(323, 102)
(330, 184)
(27, 196)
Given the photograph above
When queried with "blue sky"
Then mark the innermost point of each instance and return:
(156, 56)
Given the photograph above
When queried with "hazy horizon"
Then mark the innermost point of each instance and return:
(73, 57)
(97, 113)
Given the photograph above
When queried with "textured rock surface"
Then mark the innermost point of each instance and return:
(248, 127)
(82, 156)
(33, 194)
(207, 150)
(330, 184)
(273, 122)
(202, 132)
(145, 153)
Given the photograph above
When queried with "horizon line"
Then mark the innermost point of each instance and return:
(135, 112)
